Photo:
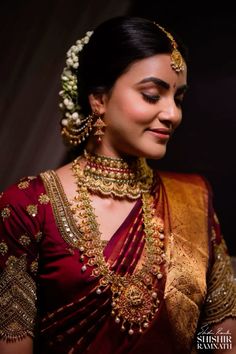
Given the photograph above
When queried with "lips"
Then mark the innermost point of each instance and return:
(163, 131)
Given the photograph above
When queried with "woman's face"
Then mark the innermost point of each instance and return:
(143, 109)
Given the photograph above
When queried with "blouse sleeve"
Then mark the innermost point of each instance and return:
(221, 290)
(20, 233)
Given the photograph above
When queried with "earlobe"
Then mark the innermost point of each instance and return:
(97, 103)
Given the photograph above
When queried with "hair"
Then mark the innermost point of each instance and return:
(114, 46)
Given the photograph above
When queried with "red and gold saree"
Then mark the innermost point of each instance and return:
(44, 293)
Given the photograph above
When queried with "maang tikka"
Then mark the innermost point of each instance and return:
(177, 61)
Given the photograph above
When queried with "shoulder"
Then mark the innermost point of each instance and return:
(26, 197)
(186, 188)
(26, 189)
(185, 181)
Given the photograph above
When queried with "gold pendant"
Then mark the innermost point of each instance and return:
(133, 304)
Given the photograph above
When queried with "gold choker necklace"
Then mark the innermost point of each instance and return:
(115, 177)
(135, 297)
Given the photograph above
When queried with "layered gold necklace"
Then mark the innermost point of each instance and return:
(135, 298)
(115, 177)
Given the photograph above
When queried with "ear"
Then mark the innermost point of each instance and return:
(98, 102)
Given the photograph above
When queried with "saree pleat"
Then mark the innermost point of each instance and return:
(80, 322)
(130, 253)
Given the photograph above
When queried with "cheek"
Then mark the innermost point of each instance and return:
(130, 106)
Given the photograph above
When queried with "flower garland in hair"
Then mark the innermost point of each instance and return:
(73, 123)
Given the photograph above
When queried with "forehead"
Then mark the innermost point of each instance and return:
(155, 66)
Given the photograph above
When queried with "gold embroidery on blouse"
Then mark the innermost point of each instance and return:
(23, 185)
(5, 213)
(24, 240)
(38, 236)
(221, 298)
(43, 199)
(31, 177)
(17, 301)
(3, 248)
(11, 260)
(61, 208)
(32, 210)
(1, 194)
(34, 267)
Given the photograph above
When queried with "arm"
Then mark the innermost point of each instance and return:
(25, 346)
(18, 256)
(219, 312)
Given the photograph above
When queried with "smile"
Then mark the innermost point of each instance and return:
(161, 133)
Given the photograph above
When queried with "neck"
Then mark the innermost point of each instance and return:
(100, 164)
(109, 152)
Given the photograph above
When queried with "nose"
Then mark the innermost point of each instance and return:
(169, 113)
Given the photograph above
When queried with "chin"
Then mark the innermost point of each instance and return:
(155, 157)
(155, 153)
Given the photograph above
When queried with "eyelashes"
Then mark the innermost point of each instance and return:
(154, 98)
(150, 98)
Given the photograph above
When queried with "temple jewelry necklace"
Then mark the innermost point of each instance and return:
(134, 297)
(115, 177)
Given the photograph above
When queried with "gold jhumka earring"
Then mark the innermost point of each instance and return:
(99, 126)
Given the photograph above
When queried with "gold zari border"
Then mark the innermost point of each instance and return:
(61, 208)
(17, 302)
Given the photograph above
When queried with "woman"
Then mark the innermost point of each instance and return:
(106, 255)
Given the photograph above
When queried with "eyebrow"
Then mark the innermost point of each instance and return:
(163, 84)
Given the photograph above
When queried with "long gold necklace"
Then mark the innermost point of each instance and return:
(135, 299)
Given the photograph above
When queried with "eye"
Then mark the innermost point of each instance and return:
(150, 98)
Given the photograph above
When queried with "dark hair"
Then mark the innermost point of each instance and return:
(114, 46)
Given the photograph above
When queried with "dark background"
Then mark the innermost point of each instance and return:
(34, 37)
